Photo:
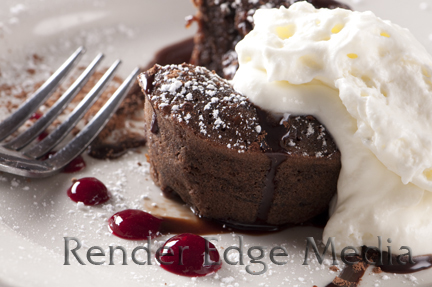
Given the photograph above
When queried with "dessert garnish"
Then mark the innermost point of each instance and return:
(88, 190)
(189, 255)
(186, 254)
(35, 116)
(134, 224)
(75, 165)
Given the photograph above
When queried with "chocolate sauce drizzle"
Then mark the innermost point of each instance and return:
(149, 83)
(154, 128)
(421, 262)
(269, 188)
(114, 150)
(351, 275)
(149, 79)
(274, 131)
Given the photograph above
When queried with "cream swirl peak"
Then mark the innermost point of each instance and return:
(369, 82)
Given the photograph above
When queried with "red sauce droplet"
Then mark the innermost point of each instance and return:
(134, 224)
(42, 135)
(75, 165)
(36, 116)
(89, 191)
(187, 253)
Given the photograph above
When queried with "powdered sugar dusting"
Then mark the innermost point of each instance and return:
(206, 102)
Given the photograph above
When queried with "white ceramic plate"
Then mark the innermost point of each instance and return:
(35, 215)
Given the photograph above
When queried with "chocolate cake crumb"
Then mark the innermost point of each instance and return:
(343, 283)
(359, 267)
(377, 270)
(334, 268)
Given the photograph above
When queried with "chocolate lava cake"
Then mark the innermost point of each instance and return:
(226, 158)
(230, 160)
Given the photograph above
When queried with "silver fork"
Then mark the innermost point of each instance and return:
(13, 159)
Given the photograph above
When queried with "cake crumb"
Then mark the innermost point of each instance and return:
(341, 282)
(377, 270)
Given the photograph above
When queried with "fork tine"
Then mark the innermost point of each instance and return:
(62, 130)
(16, 119)
(39, 126)
(92, 129)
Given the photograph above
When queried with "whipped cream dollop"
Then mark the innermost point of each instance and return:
(369, 82)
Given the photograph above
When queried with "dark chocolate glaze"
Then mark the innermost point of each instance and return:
(149, 79)
(154, 124)
(258, 227)
(421, 262)
(204, 226)
(269, 187)
(173, 225)
(114, 150)
(274, 132)
(352, 274)
(273, 147)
